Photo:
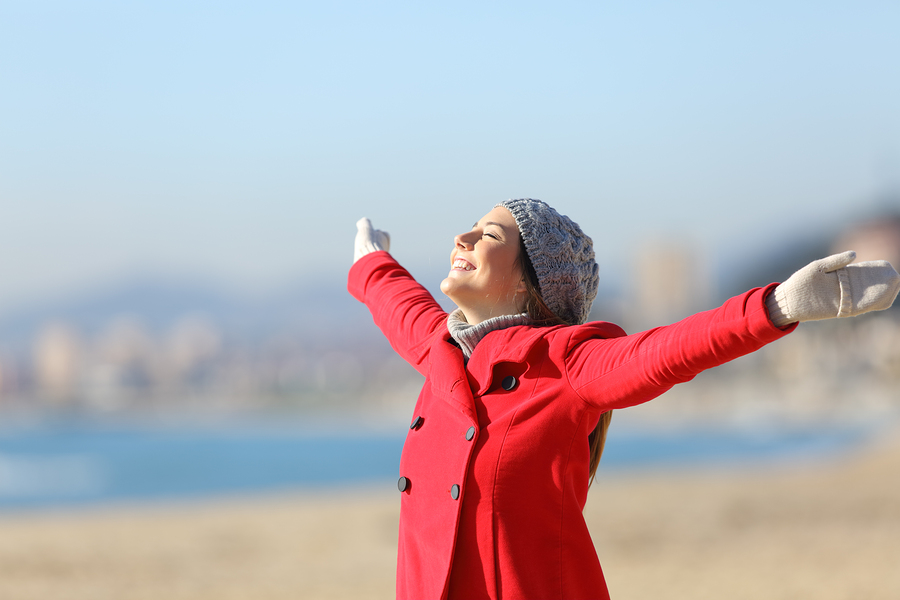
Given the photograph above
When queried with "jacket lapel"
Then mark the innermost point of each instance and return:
(448, 376)
(511, 345)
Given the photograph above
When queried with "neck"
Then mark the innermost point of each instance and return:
(468, 335)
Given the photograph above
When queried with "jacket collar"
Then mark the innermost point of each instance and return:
(512, 345)
(450, 379)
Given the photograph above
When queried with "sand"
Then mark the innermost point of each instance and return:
(826, 531)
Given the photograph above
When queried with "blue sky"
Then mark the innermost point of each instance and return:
(239, 142)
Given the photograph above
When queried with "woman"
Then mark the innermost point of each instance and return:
(507, 431)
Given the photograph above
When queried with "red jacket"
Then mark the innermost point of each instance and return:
(496, 460)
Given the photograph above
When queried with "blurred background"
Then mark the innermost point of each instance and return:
(179, 184)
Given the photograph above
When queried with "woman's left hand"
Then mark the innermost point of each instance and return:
(369, 239)
(832, 287)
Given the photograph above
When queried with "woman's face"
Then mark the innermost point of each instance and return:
(485, 278)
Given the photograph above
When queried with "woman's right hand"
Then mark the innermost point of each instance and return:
(369, 239)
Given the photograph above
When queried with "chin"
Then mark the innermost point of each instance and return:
(452, 289)
(447, 287)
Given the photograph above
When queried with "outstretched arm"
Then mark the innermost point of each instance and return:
(624, 371)
(405, 311)
(832, 287)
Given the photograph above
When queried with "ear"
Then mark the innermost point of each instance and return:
(520, 288)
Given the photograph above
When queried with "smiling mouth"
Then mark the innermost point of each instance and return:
(462, 265)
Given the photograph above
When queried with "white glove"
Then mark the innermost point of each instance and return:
(369, 240)
(832, 287)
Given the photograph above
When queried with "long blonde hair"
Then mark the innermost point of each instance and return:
(541, 315)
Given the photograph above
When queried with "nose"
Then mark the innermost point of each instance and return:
(463, 241)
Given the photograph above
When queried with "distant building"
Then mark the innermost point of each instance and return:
(120, 365)
(57, 362)
(190, 346)
(669, 282)
(875, 239)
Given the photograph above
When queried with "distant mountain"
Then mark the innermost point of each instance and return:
(318, 307)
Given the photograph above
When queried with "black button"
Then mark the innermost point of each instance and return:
(508, 383)
(470, 434)
(417, 422)
(403, 484)
(454, 492)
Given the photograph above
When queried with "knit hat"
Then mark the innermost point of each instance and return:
(562, 257)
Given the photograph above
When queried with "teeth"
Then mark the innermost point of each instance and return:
(462, 264)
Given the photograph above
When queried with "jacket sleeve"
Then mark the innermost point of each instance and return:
(624, 371)
(406, 312)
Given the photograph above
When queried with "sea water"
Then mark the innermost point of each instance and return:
(77, 463)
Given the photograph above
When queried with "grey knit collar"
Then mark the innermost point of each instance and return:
(467, 336)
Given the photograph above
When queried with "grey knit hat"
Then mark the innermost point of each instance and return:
(562, 256)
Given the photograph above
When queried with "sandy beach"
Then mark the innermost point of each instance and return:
(826, 531)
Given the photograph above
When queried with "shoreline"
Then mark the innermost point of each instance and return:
(78, 465)
(825, 531)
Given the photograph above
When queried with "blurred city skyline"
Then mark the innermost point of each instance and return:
(178, 348)
(239, 144)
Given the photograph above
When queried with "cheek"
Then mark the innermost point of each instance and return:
(515, 266)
